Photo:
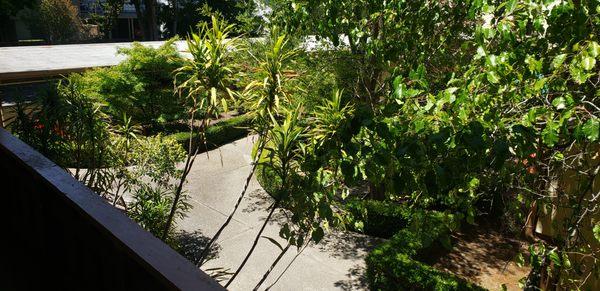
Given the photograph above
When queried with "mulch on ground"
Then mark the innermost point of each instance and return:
(486, 257)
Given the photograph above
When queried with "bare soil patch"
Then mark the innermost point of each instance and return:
(486, 257)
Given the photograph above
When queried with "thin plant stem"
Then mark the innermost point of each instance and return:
(239, 269)
(288, 266)
(186, 170)
(206, 250)
(281, 254)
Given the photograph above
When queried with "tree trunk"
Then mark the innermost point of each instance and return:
(531, 222)
(151, 23)
(175, 16)
(147, 18)
(140, 16)
(377, 192)
(273, 265)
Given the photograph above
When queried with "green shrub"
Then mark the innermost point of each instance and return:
(378, 218)
(267, 178)
(154, 182)
(218, 134)
(141, 86)
(150, 207)
(395, 265)
(390, 270)
(66, 125)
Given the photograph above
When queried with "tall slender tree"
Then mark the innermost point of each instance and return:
(146, 15)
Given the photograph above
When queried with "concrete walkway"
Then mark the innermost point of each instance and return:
(214, 185)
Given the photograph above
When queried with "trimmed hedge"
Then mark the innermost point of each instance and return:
(398, 264)
(379, 218)
(393, 265)
(267, 179)
(218, 134)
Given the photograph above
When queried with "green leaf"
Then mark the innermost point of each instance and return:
(560, 103)
(566, 261)
(474, 183)
(539, 84)
(491, 61)
(359, 225)
(588, 63)
(550, 135)
(594, 49)
(470, 216)
(520, 260)
(558, 61)
(511, 5)
(597, 231)
(317, 234)
(555, 258)
(578, 75)
(399, 88)
(535, 66)
(213, 96)
(558, 156)
(493, 77)
(591, 129)
(480, 53)
(224, 105)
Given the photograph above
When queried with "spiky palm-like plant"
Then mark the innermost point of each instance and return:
(206, 78)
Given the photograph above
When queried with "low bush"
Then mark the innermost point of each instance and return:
(397, 263)
(377, 218)
(140, 87)
(217, 134)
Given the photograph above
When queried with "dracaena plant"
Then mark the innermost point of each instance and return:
(282, 150)
(205, 80)
(307, 189)
(263, 99)
(265, 96)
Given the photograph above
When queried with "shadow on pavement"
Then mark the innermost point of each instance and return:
(357, 279)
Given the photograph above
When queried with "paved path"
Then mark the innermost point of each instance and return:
(22, 62)
(214, 185)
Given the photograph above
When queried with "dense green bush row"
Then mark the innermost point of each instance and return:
(218, 134)
(413, 233)
(395, 264)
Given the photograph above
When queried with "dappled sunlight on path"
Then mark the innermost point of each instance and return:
(214, 184)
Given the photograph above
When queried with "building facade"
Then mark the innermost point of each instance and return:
(17, 29)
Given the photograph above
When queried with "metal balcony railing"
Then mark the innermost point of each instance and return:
(57, 234)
